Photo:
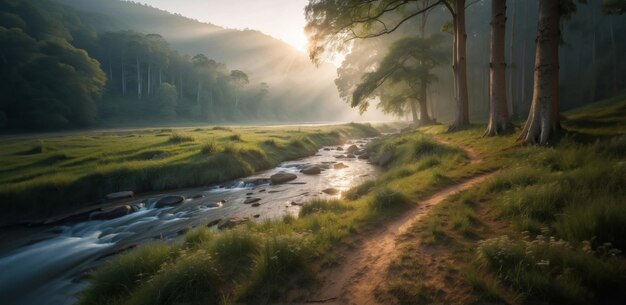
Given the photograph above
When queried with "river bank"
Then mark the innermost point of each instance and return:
(44, 177)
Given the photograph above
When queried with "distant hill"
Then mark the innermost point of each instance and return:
(289, 73)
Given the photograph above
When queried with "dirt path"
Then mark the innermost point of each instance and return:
(356, 280)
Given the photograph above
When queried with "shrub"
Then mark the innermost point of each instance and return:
(118, 278)
(235, 138)
(388, 200)
(192, 279)
(210, 148)
(180, 138)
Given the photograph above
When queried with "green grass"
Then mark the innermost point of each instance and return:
(261, 262)
(44, 175)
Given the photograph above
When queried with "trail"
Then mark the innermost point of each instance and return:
(355, 281)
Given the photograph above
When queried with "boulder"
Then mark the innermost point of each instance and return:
(312, 170)
(282, 177)
(364, 156)
(251, 200)
(256, 215)
(197, 196)
(331, 191)
(111, 213)
(326, 148)
(340, 166)
(232, 222)
(385, 158)
(256, 204)
(350, 156)
(214, 222)
(352, 149)
(120, 195)
(340, 148)
(169, 201)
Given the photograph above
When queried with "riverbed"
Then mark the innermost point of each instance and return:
(51, 265)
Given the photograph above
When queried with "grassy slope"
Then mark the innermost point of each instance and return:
(260, 263)
(535, 233)
(545, 230)
(44, 175)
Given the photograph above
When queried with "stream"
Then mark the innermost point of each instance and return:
(51, 265)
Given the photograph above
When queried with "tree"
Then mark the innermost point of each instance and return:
(166, 100)
(498, 109)
(240, 80)
(407, 67)
(332, 25)
(544, 118)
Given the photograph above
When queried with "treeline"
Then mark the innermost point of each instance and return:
(57, 72)
(574, 60)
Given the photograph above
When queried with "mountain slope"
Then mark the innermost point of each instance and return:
(290, 75)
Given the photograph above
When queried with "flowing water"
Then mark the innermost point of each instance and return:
(49, 266)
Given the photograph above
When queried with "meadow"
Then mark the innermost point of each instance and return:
(44, 175)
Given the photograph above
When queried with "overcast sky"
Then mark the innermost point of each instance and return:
(283, 19)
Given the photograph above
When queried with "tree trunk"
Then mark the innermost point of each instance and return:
(543, 118)
(414, 112)
(123, 79)
(462, 117)
(149, 79)
(510, 83)
(498, 109)
(614, 47)
(424, 118)
(138, 78)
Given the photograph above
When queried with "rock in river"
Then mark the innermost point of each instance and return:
(232, 222)
(339, 166)
(111, 213)
(120, 195)
(282, 177)
(251, 200)
(311, 170)
(331, 191)
(352, 149)
(169, 201)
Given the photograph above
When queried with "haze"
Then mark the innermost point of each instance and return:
(283, 19)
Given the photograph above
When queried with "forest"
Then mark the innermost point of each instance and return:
(415, 152)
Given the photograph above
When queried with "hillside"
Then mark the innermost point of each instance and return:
(263, 57)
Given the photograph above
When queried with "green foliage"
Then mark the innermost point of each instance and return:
(166, 100)
(322, 206)
(117, 279)
(359, 190)
(180, 138)
(210, 147)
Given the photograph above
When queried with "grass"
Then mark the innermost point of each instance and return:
(547, 229)
(44, 175)
(261, 262)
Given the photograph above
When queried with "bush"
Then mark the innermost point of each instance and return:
(192, 279)
(180, 138)
(388, 200)
(235, 138)
(120, 277)
(210, 148)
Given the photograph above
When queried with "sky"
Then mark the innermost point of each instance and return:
(282, 19)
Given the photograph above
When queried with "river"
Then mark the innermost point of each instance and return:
(51, 265)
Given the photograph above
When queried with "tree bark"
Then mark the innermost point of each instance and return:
(462, 117)
(543, 118)
(423, 101)
(498, 109)
(138, 78)
(414, 112)
(510, 83)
